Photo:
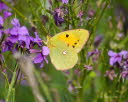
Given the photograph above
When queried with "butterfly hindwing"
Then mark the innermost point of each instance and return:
(63, 58)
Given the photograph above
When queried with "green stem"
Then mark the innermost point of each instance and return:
(19, 13)
(25, 18)
(80, 97)
(17, 76)
(98, 18)
(6, 78)
(43, 86)
(93, 23)
(85, 6)
(72, 13)
(42, 27)
(13, 95)
(11, 86)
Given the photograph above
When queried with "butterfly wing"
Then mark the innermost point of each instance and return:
(64, 47)
(62, 57)
(73, 38)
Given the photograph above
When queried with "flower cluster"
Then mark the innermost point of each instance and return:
(58, 16)
(65, 1)
(94, 54)
(119, 60)
(17, 37)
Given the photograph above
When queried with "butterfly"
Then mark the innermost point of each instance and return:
(65, 46)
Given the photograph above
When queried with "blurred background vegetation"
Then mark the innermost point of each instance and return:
(105, 18)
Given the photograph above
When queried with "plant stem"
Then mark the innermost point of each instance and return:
(43, 86)
(19, 13)
(93, 26)
(11, 86)
(42, 27)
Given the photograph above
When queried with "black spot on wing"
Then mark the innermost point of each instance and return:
(75, 43)
(73, 46)
(67, 35)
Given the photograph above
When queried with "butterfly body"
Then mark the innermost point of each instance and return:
(64, 47)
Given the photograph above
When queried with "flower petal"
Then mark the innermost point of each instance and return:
(14, 31)
(13, 39)
(3, 6)
(111, 53)
(38, 59)
(7, 14)
(123, 53)
(45, 50)
(1, 21)
(34, 50)
(112, 61)
(15, 22)
(41, 65)
(23, 31)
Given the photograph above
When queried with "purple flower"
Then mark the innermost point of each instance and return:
(13, 38)
(124, 74)
(45, 50)
(111, 74)
(88, 67)
(117, 57)
(94, 54)
(19, 31)
(1, 33)
(124, 54)
(37, 40)
(98, 40)
(120, 59)
(65, 1)
(71, 87)
(66, 72)
(15, 22)
(3, 6)
(58, 16)
(77, 72)
(114, 57)
(120, 35)
(41, 56)
(7, 46)
(91, 13)
(1, 21)
(2, 100)
(34, 51)
(80, 15)
(19, 34)
(7, 14)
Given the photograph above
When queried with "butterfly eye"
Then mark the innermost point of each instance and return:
(67, 35)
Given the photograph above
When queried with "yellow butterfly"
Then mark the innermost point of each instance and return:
(64, 47)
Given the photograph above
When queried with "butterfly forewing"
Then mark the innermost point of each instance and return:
(73, 38)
